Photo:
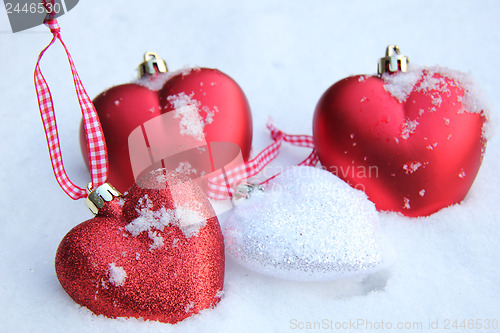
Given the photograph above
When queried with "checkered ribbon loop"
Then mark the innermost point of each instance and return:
(96, 145)
(222, 186)
(52, 25)
(49, 20)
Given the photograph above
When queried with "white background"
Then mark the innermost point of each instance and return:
(284, 54)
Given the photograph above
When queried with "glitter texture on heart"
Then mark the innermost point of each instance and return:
(308, 225)
(156, 253)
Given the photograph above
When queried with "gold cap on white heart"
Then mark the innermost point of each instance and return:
(243, 190)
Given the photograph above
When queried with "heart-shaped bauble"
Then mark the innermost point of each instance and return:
(156, 253)
(413, 141)
(209, 107)
(308, 225)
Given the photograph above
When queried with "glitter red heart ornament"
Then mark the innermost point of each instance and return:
(222, 115)
(413, 141)
(156, 253)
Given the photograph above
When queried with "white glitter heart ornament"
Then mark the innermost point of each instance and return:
(308, 225)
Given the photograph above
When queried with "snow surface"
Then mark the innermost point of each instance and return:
(284, 55)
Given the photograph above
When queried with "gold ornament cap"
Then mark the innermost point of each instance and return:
(152, 65)
(393, 61)
(97, 198)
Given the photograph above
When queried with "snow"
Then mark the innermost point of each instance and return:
(117, 275)
(435, 81)
(187, 110)
(156, 82)
(406, 203)
(185, 168)
(408, 128)
(411, 167)
(151, 222)
(284, 55)
(473, 100)
(190, 221)
(400, 85)
(435, 144)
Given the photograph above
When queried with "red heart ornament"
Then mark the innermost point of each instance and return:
(224, 117)
(413, 141)
(156, 253)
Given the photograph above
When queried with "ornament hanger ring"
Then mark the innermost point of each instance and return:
(152, 64)
(98, 197)
(393, 61)
(89, 187)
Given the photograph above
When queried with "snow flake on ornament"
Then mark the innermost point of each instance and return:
(186, 168)
(432, 83)
(408, 128)
(157, 82)
(411, 167)
(436, 99)
(400, 86)
(406, 204)
(187, 109)
(435, 82)
(434, 145)
(188, 220)
(117, 275)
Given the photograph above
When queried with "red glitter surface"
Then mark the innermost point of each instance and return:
(168, 283)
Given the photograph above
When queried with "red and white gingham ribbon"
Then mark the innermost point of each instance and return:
(222, 186)
(95, 139)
